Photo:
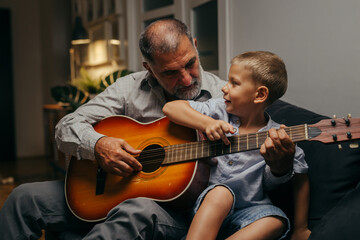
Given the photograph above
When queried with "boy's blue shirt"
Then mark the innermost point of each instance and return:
(246, 173)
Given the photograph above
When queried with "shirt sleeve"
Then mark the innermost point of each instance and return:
(299, 166)
(214, 108)
(271, 181)
(75, 135)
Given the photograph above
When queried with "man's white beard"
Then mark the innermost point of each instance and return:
(190, 94)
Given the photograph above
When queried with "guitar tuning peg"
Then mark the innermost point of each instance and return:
(339, 146)
(334, 116)
(349, 135)
(347, 121)
(349, 115)
(333, 122)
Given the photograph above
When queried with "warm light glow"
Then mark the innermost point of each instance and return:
(115, 42)
(80, 41)
(98, 52)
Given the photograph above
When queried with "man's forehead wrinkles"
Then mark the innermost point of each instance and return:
(171, 68)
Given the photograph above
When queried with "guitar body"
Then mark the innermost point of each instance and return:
(176, 185)
(171, 175)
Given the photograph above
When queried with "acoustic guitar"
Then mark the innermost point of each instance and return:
(172, 173)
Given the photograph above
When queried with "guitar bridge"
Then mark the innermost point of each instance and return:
(100, 181)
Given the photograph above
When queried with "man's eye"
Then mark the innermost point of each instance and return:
(190, 64)
(169, 73)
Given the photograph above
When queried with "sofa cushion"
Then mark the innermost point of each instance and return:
(341, 221)
(333, 171)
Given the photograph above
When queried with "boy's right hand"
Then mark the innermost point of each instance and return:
(217, 129)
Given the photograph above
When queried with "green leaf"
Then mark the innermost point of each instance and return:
(69, 96)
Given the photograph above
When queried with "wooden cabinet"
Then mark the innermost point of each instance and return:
(52, 115)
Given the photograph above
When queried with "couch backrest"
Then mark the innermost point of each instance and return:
(333, 171)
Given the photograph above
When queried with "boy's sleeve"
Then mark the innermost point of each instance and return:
(270, 181)
(211, 108)
(299, 166)
(201, 107)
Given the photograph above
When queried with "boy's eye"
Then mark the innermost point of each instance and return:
(234, 83)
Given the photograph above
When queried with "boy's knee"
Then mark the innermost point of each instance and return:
(220, 195)
(222, 192)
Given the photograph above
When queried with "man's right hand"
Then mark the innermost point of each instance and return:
(114, 156)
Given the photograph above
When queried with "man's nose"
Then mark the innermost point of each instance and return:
(185, 78)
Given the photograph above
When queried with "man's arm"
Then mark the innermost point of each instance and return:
(76, 136)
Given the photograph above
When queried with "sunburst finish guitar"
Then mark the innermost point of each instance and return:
(171, 173)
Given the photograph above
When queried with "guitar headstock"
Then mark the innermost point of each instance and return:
(335, 130)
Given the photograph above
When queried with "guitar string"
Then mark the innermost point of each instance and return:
(297, 134)
(185, 146)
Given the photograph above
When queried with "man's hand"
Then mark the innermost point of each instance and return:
(113, 156)
(278, 151)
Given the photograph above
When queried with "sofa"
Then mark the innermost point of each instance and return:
(334, 175)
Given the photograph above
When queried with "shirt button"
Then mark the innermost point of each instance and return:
(231, 162)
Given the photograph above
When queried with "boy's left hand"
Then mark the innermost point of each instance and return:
(278, 151)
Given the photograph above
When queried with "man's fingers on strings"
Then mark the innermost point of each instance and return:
(133, 163)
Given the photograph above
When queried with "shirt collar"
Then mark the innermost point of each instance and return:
(269, 123)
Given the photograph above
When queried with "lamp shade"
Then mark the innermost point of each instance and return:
(79, 34)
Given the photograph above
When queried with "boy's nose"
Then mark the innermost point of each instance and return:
(225, 88)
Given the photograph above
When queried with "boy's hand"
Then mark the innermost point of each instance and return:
(278, 151)
(217, 130)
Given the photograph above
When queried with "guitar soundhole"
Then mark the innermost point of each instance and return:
(151, 158)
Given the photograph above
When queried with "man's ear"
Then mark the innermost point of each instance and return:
(147, 67)
(195, 42)
(262, 94)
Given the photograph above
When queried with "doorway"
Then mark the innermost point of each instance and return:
(7, 119)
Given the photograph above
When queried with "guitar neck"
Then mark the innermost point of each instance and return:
(240, 143)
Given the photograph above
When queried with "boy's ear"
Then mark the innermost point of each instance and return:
(262, 94)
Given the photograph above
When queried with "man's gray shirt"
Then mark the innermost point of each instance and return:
(137, 95)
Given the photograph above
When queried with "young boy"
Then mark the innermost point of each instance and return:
(235, 204)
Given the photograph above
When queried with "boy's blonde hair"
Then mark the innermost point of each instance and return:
(267, 69)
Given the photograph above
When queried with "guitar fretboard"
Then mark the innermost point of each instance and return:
(240, 143)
